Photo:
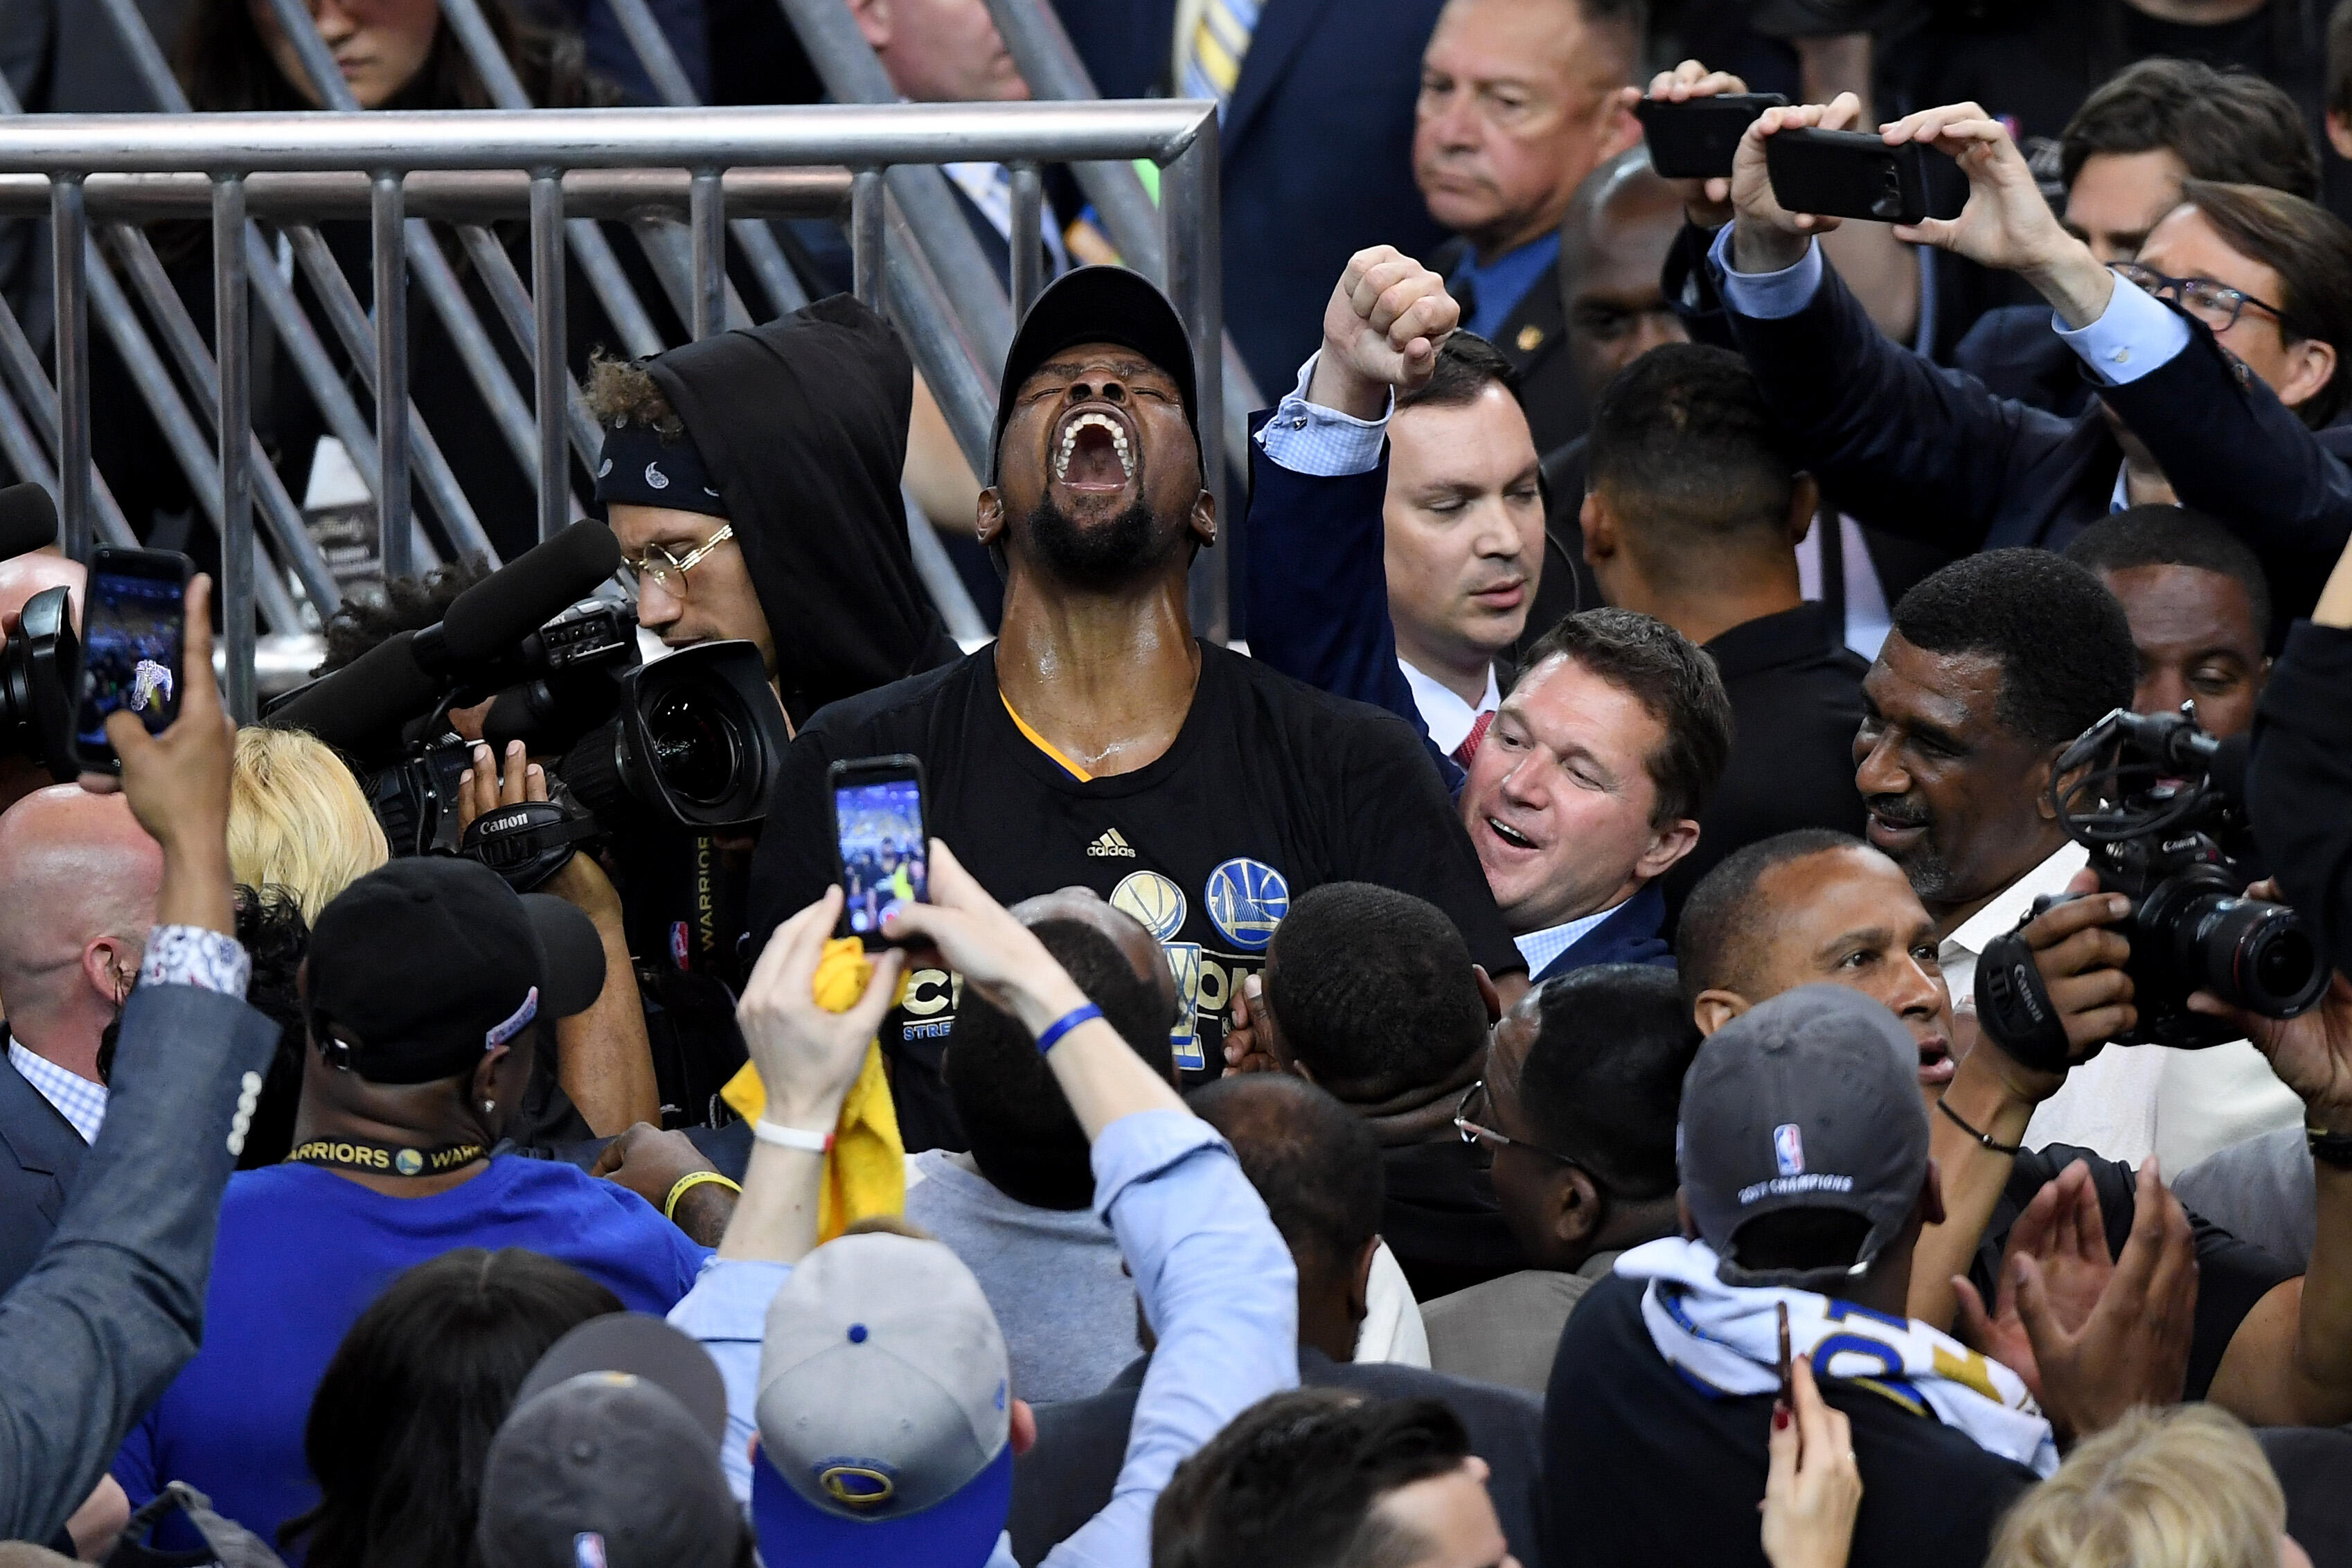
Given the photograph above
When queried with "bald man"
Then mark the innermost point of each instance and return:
(78, 883)
(21, 577)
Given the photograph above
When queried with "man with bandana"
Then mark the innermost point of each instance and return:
(1098, 744)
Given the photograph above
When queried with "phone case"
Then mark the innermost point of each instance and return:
(851, 771)
(1695, 140)
(157, 565)
(1850, 173)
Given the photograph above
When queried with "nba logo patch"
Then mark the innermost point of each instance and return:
(1247, 899)
(1788, 1149)
(1155, 901)
(677, 943)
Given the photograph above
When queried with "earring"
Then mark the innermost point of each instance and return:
(489, 1108)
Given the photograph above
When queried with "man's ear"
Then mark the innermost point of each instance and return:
(1577, 1214)
(1023, 1422)
(1203, 524)
(1804, 503)
(2311, 364)
(2339, 134)
(105, 962)
(1667, 845)
(1715, 1008)
(1600, 525)
(988, 516)
(1488, 994)
(873, 20)
(2038, 781)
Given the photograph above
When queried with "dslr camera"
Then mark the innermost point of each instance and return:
(40, 670)
(2164, 821)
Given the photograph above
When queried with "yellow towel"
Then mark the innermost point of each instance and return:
(866, 1175)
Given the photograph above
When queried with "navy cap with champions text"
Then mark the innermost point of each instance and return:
(1810, 1100)
(1097, 305)
(884, 1412)
(422, 966)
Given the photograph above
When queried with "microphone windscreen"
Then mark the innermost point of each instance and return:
(28, 519)
(490, 618)
(362, 705)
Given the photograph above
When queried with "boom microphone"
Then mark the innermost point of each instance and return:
(490, 618)
(29, 520)
(361, 707)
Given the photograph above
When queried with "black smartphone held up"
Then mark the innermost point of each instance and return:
(1694, 140)
(135, 637)
(881, 846)
(1853, 173)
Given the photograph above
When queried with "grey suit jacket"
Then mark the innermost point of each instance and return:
(39, 1153)
(114, 1306)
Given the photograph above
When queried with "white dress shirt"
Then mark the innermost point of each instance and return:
(1448, 716)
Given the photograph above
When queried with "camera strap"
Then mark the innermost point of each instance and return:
(2013, 1005)
(526, 843)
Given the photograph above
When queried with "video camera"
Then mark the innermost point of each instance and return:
(40, 661)
(2159, 805)
(691, 741)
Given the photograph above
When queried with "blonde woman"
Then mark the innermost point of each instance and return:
(2182, 1488)
(297, 819)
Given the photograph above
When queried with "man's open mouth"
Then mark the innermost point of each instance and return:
(1094, 453)
(1509, 835)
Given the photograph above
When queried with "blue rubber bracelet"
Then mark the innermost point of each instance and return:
(1065, 1024)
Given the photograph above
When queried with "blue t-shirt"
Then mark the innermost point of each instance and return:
(302, 1252)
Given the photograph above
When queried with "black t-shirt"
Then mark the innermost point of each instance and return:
(1643, 1468)
(1270, 788)
(2231, 1275)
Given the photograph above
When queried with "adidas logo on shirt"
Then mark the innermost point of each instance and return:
(1109, 843)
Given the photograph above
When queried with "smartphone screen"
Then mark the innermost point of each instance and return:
(879, 820)
(133, 640)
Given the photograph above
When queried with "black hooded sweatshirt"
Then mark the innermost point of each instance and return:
(801, 423)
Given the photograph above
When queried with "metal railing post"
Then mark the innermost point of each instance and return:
(952, 366)
(707, 221)
(69, 240)
(551, 380)
(1188, 196)
(866, 243)
(388, 267)
(233, 348)
(1026, 246)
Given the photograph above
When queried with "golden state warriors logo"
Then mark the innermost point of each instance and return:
(1247, 899)
(1156, 903)
(408, 1162)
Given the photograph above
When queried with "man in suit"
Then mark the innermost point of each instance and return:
(2220, 400)
(1518, 103)
(1305, 1154)
(78, 883)
(113, 1304)
(1316, 131)
(1587, 787)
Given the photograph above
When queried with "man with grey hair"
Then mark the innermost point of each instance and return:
(77, 884)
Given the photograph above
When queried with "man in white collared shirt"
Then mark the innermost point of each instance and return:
(77, 884)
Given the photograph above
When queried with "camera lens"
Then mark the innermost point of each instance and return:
(2251, 953)
(698, 745)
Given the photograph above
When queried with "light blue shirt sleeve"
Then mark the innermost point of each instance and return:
(2134, 335)
(1767, 296)
(1309, 438)
(727, 1312)
(1218, 1287)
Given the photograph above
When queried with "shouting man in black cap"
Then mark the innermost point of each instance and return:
(426, 985)
(1098, 744)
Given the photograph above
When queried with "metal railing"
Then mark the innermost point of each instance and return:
(557, 168)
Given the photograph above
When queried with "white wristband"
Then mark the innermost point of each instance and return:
(767, 1131)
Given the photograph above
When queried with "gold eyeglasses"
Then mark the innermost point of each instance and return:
(668, 572)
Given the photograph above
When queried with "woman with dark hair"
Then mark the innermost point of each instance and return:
(395, 54)
(402, 1423)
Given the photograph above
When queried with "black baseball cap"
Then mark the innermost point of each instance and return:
(1097, 305)
(424, 964)
(1810, 1100)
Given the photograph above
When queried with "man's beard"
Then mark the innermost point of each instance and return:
(1107, 556)
(1923, 866)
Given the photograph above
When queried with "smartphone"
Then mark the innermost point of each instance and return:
(1694, 140)
(881, 846)
(1788, 1367)
(134, 636)
(1854, 174)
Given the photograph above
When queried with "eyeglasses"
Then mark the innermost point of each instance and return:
(668, 572)
(1472, 1119)
(2217, 305)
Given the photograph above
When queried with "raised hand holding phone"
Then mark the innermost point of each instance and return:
(881, 850)
(133, 648)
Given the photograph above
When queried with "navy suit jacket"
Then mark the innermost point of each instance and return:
(39, 1153)
(1316, 147)
(1634, 932)
(1932, 455)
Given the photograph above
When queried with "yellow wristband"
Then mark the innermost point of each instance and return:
(687, 1183)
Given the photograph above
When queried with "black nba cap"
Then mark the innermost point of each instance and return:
(1097, 305)
(610, 1457)
(1809, 1102)
(420, 966)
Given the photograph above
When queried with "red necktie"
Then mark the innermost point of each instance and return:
(1469, 746)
